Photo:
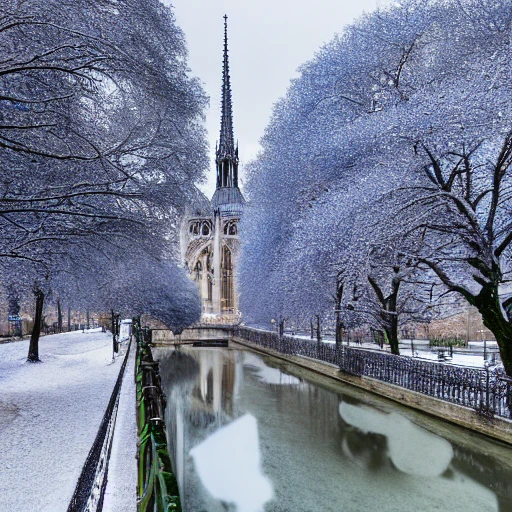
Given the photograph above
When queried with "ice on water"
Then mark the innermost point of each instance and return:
(229, 466)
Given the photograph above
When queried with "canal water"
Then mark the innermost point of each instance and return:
(249, 433)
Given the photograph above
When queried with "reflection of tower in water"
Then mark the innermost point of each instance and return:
(217, 384)
(366, 449)
(201, 386)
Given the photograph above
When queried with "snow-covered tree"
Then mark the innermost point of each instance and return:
(404, 119)
(100, 122)
(101, 136)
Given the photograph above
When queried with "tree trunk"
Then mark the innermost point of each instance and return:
(339, 330)
(33, 349)
(115, 347)
(337, 308)
(88, 320)
(489, 306)
(391, 318)
(389, 314)
(69, 319)
(392, 334)
(392, 330)
(59, 317)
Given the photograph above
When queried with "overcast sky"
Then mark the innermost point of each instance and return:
(268, 40)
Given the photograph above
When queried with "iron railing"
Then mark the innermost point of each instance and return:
(157, 488)
(487, 390)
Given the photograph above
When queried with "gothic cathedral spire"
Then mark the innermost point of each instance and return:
(213, 240)
(226, 157)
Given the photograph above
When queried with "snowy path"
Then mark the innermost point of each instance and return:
(121, 492)
(49, 416)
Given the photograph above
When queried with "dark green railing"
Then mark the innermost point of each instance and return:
(157, 488)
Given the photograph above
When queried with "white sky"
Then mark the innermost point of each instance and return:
(268, 40)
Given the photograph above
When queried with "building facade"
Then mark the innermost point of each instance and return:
(211, 241)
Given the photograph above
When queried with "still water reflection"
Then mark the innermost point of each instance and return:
(245, 436)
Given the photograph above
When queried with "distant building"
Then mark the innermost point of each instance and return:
(210, 241)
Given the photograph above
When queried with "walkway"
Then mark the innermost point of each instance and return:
(121, 495)
(49, 416)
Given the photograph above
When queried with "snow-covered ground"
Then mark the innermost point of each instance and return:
(121, 492)
(49, 416)
(461, 357)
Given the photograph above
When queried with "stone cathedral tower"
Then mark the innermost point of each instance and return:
(211, 241)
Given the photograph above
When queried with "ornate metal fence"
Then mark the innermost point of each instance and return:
(157, 487)
(487, 390)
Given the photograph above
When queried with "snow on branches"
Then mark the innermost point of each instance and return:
(101, 136)
(385, 174)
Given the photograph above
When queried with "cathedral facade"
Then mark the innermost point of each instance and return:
(210, 241)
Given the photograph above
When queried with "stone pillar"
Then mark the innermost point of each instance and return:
(203, 284)
(217, 240)
(235, 255)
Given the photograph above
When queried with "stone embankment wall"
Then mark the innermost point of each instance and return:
(191, 335)
(496, 428)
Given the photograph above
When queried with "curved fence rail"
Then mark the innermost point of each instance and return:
(487, 390)
(156, 482)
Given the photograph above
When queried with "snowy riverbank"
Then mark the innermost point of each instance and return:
(50, 414)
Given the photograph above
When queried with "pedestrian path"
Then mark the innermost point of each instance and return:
(121, 492)
(50, 413)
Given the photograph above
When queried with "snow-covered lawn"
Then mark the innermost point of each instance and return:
(49, 415)
(461, 357)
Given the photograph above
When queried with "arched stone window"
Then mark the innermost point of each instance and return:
(199, 271)
(227, 292)
(194, 228)
(231, 228)
(200, 227)
(210, 289)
